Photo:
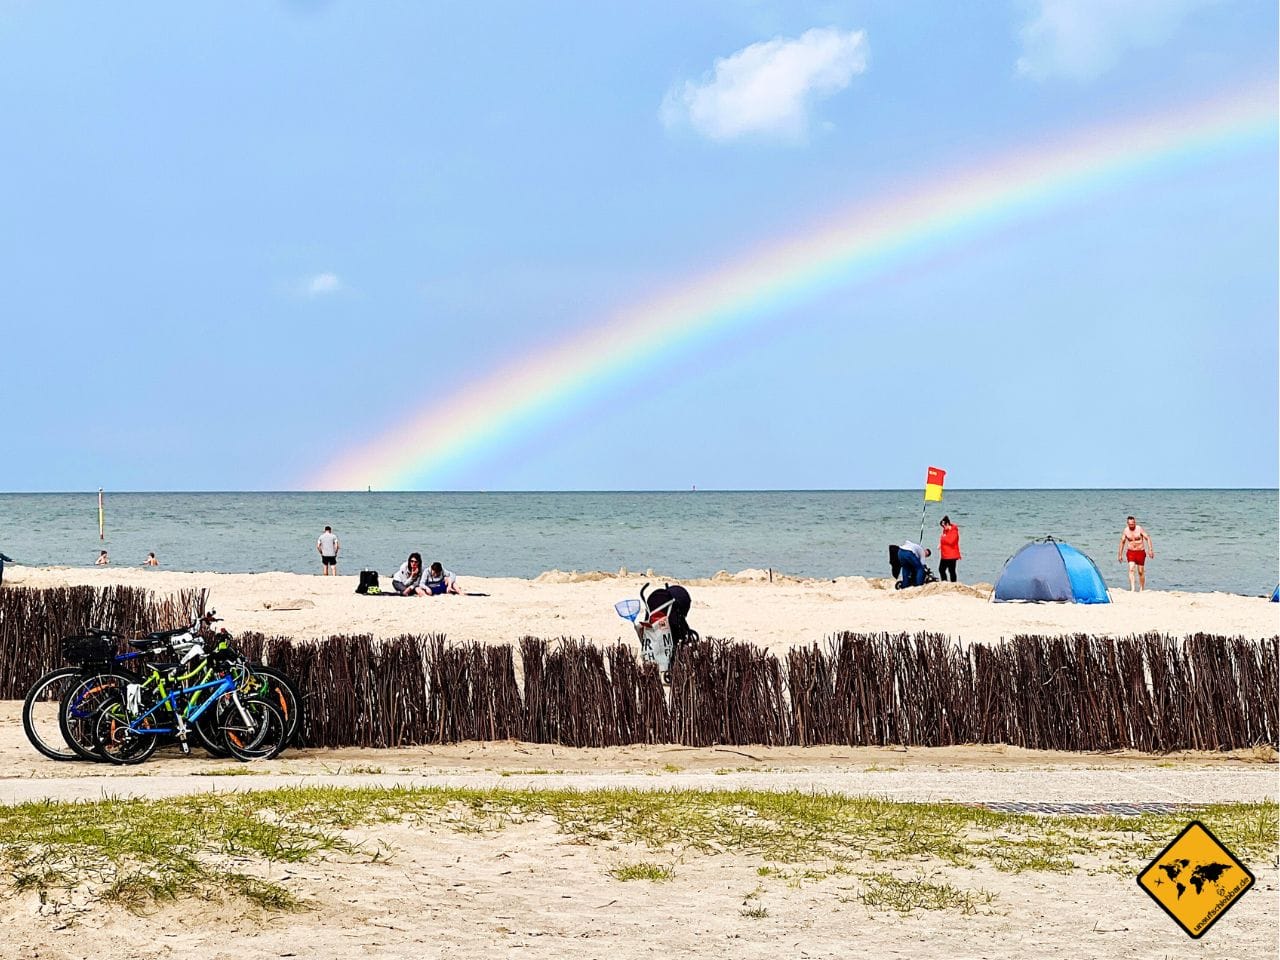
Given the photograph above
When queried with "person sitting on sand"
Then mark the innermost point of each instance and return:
(408, 579)
(151, 560)
(439, 580)
(911, 557)
(102, 560)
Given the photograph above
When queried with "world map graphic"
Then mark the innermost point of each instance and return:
(1200, 874)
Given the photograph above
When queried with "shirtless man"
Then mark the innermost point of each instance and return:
(1135, 546)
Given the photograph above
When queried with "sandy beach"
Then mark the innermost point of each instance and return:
(743, 606)
(534, 887)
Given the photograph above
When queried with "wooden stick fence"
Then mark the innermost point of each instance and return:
(33, 623)
(1150, 692)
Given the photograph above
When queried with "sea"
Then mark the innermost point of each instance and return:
(1204, 540)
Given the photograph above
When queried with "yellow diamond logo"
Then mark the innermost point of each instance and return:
(1195, 879)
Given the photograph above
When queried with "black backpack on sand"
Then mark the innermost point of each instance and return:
(368, 582)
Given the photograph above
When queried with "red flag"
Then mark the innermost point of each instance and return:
(933, 483)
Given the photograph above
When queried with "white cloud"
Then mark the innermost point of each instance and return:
(1082, 39)
(768, 88)
(322, 284)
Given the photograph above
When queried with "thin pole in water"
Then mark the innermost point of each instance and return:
(101, 518)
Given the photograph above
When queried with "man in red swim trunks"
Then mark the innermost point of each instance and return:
(1135, 546)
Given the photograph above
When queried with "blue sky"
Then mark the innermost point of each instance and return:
(236, 240)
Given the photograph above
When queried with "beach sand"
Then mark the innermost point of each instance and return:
(743, 606)
(532, 889)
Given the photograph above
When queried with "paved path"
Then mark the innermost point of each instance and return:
(1032, 790)
(1095, 809)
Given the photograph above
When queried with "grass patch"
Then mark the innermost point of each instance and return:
(642, 871)
(886, 892)
(354, 769)
(218, 846)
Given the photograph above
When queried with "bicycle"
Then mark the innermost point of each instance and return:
(257, 679)
(127, 731)
(89, 690)
(98, 684)
(94, 655)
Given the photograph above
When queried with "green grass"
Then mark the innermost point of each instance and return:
(908, 895)
(221, 845)
(642, 871)
(354, 769)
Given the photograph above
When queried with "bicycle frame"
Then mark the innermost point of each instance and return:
(154, 678)
(219, 688)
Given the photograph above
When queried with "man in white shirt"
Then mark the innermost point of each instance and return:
(328, 546)
(911, 556)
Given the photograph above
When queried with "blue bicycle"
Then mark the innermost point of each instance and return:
(126, 730)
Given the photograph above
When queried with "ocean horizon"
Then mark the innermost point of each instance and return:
(1205, 539)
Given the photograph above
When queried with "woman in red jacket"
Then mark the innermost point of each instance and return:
(948, 549)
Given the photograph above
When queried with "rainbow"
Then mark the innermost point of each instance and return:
(497, 408)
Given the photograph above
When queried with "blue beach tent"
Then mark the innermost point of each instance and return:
(1049, 569)
(1275, 597)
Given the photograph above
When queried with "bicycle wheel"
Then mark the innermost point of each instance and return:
(209, 735)
(40, 714)
(264, 736)
(268, 683)
(118, 742)
(81, 703)
(257, 681)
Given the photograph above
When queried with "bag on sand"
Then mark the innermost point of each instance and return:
(368, 582)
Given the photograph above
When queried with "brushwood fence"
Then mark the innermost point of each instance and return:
(1152, 692)
(33, 623)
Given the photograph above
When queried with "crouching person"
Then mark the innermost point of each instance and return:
(439, 580)
(911, 558)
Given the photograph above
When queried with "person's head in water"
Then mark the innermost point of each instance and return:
(1131, 521)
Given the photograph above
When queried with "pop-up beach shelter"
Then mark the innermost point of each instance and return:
(1049, 569)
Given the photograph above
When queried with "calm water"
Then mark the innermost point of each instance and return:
(1204, 539)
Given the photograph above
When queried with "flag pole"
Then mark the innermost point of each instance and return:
(933, 481)
(101, 524)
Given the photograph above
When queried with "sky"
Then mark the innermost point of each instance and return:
(242, 245)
